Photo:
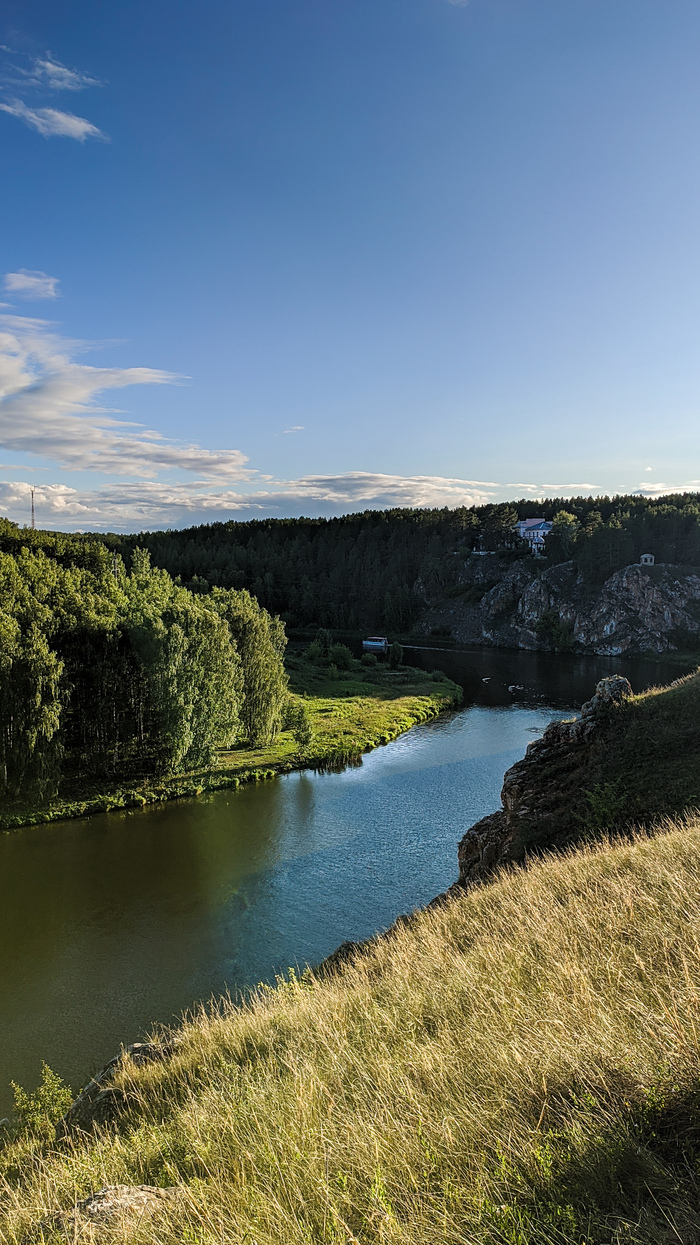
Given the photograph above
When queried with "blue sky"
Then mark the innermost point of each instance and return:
(308, 256)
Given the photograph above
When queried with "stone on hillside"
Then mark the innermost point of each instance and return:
(114, 1206)
(100, 1100)
(609, 692)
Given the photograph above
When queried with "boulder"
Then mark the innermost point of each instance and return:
(117, 1206)
(100, 1100)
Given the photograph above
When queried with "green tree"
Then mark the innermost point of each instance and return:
(299, 720)
(261, 642)
(499, 528)
(395, 655)
(560, 544)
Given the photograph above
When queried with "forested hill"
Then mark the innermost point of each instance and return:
(376, 569)
(362, 570)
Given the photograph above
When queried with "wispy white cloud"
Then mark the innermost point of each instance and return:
(49, 407)
(51, 122)
(143, 504)
(50, 73)
(294, 428)
(31, 284)
(663, 490)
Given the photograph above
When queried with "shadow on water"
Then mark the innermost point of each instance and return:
(111, 923)
(492, 676)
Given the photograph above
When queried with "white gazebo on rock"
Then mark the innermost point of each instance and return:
(647, 559)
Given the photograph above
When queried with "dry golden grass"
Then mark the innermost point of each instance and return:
(519, 1066)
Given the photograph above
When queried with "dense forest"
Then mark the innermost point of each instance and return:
(360, 571)
(113, 672)
(138, 655)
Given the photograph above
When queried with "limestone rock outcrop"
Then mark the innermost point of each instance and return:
(539, 793)
(638, 609)
(113, 1208)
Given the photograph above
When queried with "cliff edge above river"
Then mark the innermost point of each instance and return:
(627, 760)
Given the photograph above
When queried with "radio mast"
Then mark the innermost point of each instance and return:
(33, 523)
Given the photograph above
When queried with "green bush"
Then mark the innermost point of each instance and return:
(554, 631)
(369, 659)
(341, 656)
(395, 655)
(38, 1113)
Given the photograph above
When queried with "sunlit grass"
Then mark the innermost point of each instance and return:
(520, 1065)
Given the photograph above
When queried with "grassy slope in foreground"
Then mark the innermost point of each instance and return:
(353, 712)
(518, 1066)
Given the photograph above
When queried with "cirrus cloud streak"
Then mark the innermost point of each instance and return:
(49, 407)
(52, 122)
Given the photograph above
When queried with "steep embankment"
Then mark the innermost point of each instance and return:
(628, 760)
(524, 604)
(520, 1065)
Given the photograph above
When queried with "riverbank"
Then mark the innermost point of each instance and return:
(351, 712)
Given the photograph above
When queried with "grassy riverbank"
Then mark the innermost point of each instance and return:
(519, 1067)
(351, 712)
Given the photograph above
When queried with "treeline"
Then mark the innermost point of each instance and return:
(603, 538)
(373, 570)
(109, 672)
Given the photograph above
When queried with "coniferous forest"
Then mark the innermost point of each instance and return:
(140, 655)
(359, 571)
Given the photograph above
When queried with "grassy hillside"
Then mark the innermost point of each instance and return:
(520, 1066)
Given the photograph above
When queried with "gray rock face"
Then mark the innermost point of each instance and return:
(535, 813)
(638, 609)
(114, 1206)
(100, 1100)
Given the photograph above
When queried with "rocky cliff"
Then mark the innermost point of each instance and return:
(525, 604)
(626, 761)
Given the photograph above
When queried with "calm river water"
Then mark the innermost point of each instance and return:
(111, 923)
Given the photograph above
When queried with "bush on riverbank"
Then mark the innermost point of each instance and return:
(520, 1066)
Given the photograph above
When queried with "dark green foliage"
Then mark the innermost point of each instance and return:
(341, 656)
(554, 631)
(120, 675)
(395, 655)
(375, 570)
(497, 529)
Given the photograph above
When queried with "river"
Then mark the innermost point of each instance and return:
(116, 921)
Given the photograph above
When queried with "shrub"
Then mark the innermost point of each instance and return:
(395, 655)
(39, 1112)
(554, 631)
(369, 659)
(299, 721)
(341, 656)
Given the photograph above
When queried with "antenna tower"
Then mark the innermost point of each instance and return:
(33, 523)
